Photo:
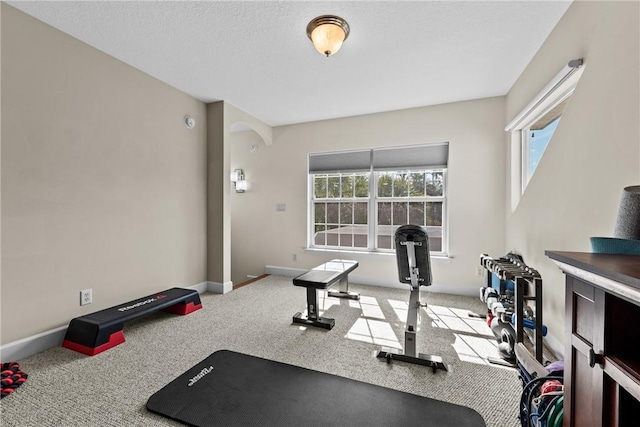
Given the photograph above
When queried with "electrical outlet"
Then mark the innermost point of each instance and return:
(294, 257)
(86, 297)
(479, 271)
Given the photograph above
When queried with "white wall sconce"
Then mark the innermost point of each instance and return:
(240, 184)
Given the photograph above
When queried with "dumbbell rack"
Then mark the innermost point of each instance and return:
(512, 267)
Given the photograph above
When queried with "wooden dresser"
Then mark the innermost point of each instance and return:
(602, 338)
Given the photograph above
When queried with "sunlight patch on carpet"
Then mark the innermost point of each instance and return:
(473, 343)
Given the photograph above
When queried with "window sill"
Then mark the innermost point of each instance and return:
(437, 257)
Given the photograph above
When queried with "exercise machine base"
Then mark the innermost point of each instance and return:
(343, 294)
(501, 362)
(435, 362)
(321, 322)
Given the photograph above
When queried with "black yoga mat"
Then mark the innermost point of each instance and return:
(235, 389)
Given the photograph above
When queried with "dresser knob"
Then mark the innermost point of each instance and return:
(594, 358)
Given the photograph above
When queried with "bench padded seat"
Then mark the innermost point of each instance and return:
(326, 274)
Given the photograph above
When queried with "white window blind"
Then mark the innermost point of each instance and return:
(431, 156)
(340, 162)
(427, 156)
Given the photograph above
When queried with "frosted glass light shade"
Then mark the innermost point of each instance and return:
(241, 186)
(327, 33)
(327, 39)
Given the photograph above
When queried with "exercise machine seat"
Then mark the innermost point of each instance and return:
(413, 233)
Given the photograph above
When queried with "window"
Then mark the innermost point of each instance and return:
(533, 128)
(536, 140)
(536, 137)
(409, 197)
(358, 199)
(340, 210)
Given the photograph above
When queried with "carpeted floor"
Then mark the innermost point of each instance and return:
(66, 388)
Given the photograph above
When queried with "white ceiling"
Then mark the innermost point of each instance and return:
(256, 55)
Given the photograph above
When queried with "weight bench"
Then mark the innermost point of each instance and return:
(96, 332)
(414, 267)
(322, 277)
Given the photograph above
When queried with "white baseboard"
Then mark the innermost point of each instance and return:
(219, 288)
(201, 287)
(556, 347)
(214, 287)
(283, 271)
(25, 347)
(371, 281)
(29, 346)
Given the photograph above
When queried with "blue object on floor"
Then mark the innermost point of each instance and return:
(495, 283)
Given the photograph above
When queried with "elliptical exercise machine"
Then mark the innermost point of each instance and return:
(414, 268)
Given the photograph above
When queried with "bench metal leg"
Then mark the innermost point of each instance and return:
(312, 317)
(343, 290)
(312, 303)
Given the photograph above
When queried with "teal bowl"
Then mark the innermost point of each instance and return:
(613, 245)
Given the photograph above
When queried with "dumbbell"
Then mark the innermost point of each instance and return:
(486, 293)
(497, 326)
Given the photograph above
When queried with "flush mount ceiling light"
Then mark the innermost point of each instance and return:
(327, 32)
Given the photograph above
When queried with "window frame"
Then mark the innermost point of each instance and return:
(372, 201)
(559, 89)
(313, 200)
(525, 142)
(425, 199)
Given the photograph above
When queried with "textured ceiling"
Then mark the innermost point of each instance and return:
(256, 55)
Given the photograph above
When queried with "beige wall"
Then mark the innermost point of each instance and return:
(103, 186)
(218, 262)
(278, 174)
(594, 152)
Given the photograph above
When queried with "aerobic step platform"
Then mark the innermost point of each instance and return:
(96, 332)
